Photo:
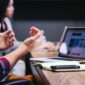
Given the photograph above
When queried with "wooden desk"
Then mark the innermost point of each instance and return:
(60, 78)
(65, 78)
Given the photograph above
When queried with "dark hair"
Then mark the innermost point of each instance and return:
(3, 6)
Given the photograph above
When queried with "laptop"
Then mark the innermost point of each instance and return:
(72, 44)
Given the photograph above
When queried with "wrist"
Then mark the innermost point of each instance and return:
(23, 48)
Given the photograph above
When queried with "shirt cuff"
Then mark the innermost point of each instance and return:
(5, 67)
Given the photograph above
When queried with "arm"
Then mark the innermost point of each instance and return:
(17, 54)
(14, 56)
(24, 48)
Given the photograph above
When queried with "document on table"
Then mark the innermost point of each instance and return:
(47, 63)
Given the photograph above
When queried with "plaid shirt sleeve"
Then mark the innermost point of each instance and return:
(4, 67)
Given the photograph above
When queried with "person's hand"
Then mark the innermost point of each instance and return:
(6, 39)
(40, 40)
(35, 35)
(34, 31)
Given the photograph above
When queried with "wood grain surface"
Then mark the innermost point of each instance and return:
(64, 78)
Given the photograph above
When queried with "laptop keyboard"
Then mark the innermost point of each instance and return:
(68, 59)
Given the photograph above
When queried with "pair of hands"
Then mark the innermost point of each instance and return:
(7, 38)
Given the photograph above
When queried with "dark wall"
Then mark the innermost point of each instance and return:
(53, 29)
(51, 16)
(49, 10)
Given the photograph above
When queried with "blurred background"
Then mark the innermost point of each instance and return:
(49, 15)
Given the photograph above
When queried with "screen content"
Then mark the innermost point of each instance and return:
(75, 41)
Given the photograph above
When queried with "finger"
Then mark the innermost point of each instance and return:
(32, 33)
(38, 35)
(7, 32)
(12, 40)
(31, 40)
(34, 30)
(11, 35)
(6, 38)
(11, 44)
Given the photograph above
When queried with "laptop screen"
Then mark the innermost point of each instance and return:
(74, 39)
